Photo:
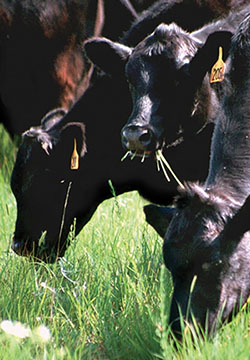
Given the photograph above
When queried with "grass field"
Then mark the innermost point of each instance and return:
(108, 298)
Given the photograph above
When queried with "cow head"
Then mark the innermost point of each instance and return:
(206, 248)
(41, 182)
(165, 73)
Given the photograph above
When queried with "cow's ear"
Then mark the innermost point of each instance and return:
(52, 118)
(70, 148)
(109, 56)
(158, 217)
(207, 54)
(43, 134)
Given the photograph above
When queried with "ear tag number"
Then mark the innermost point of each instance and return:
(74, 164)
(218, 70)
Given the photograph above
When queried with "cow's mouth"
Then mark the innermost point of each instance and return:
(146, 153)
(137, 153)
(30, 249)
(161, 162)
(23, 246)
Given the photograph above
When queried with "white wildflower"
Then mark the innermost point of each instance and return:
(43, 333)
(15, 328)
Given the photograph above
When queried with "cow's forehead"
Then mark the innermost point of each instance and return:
(147, 68)
(138, 69)
(175, 51)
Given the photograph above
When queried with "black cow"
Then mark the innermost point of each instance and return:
(50, 195)
(166, 72)
(42, 63)
(207, 244)
(42, 176)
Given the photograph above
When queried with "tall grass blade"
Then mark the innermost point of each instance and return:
(126, 155)
(64, 212)
(164, 170)
(143, 157)
(169, 168)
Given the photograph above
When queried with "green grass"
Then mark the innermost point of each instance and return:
(108, 298)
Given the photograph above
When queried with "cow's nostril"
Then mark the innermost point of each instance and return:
(137, 138)
(145, 138)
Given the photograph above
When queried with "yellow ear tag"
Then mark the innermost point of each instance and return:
(74, 164)
(218, 70)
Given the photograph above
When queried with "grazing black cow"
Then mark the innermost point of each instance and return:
(42, 63)
(50, 195)
(208, 239)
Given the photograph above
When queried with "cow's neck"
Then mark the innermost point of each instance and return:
(230, 149)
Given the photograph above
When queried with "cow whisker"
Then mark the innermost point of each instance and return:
(160, 157)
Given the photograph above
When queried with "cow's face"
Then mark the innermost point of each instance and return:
(206, 250)
(191, 259)
(41, 182)
(166, 74)
(157, 77)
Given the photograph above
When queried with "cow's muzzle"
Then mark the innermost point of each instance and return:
(21, 247)
(138, 138)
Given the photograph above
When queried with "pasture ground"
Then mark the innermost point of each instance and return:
(108, 298)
